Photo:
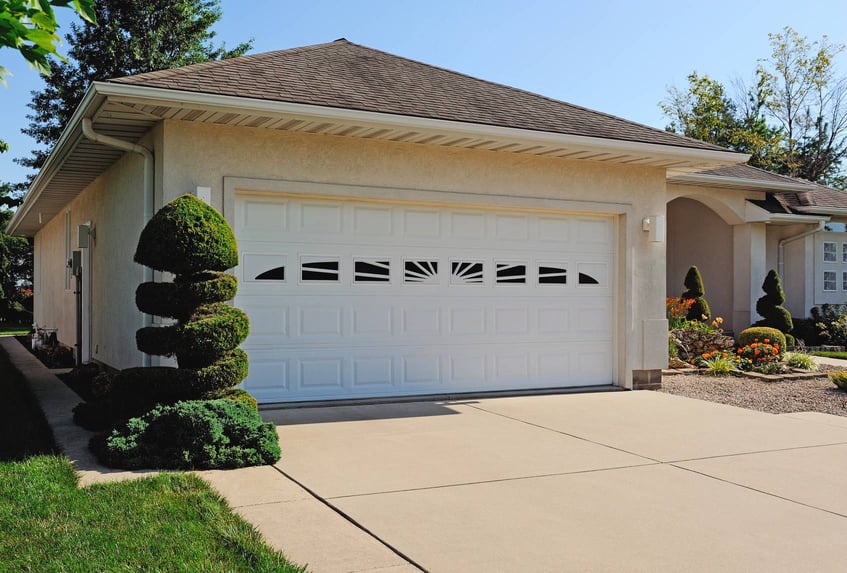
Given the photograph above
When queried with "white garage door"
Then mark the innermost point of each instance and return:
(353, 299)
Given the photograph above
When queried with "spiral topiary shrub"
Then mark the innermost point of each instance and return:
(699, 309)
(190, 239)
(769, 306)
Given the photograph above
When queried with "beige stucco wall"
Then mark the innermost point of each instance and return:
(113, 204)
(204, 155)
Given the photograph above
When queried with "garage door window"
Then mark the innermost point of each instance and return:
(466, 273)
(552, 274)
(371, 271)
(319, 269)
(511, 273)
(421, 272)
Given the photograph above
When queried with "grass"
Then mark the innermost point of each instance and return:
(829, 354)
(171, 522)
(14, 329)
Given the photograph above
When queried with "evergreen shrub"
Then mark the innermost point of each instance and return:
(699, 309)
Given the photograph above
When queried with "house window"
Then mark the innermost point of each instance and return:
(844, 252)
(68, 253)
(844, 281)
(829, 253)
(829, 279)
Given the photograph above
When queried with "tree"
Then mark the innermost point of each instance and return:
(792, 119)
(15, 262)
(132, 37)
(29, 27)
(807, 100)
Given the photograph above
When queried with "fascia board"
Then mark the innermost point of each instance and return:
(823, 210)
(148, 95)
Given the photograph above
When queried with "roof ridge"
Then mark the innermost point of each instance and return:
(227, 61)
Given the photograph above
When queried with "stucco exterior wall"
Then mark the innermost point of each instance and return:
(113, 204)
(204, 155)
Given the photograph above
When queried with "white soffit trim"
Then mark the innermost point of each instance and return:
(842, 212)
(147, 95)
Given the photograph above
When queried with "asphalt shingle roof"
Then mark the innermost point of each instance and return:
(744, 171)
(341, 74)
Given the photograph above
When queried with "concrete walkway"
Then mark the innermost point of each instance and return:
(635, 481)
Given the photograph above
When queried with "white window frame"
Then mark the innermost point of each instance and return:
(844, 253)
(844, 280)
(833, 281)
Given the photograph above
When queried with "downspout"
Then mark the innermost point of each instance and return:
(780, 256)
(149, 189)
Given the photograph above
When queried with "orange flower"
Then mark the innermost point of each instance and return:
(757, 352)
(767, 340)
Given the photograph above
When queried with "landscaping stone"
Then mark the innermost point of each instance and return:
(692, 342)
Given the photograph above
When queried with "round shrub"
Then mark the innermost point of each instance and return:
(179, 299)
(186, 237)
(839, 378)
(699, 309)
(211, 332)
(206, 434)
(760, 334)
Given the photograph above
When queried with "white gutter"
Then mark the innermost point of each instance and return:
(780, 257)
(149, 190)
(838, 211)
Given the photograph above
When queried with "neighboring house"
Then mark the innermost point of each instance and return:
(403, 229)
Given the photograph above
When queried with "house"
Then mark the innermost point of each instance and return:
(738, 222)
(403, 229)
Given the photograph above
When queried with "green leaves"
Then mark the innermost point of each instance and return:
(29, 26)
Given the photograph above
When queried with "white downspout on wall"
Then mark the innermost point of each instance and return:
(149, 190)
(780, 253)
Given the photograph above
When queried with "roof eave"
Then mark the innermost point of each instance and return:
(739, 183)
(142, 94)
(811, 210)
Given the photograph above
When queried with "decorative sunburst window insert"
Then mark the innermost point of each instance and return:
(317, 269)
(550, 273)
(513, 273)
(372, 270)
(420, 271)
(466, 273)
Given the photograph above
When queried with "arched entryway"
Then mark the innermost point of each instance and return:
(699, 236)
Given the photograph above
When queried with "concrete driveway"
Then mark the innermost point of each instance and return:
(634, 481)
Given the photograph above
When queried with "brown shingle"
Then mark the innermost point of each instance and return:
(341, 74)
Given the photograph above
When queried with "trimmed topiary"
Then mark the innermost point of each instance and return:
(187, 237)
(762, 333)
(769, 306)
(191, 240)
(201, 434)
(179, 299)
(699, 308)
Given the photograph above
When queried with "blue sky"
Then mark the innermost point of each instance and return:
(615, 56)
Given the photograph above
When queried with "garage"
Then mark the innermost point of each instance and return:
(356, 299)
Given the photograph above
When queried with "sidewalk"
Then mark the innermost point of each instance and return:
(288, 516)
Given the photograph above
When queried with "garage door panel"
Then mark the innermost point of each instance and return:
(356, 299)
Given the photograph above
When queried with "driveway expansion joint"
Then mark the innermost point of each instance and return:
(350, 520)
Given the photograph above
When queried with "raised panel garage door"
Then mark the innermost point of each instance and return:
(352, 299)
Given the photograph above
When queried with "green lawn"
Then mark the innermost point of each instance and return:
(172, 522)
(14, 329)
(828, 354)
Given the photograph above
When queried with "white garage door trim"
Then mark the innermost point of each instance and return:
(281, 362)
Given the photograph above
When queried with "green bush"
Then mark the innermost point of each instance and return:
(207, 434)
(239, 395)
(187, 237)
(699, 308)
(839, 378)
(800, 360)
(761, 333)
(179, 299)
(720, 366)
